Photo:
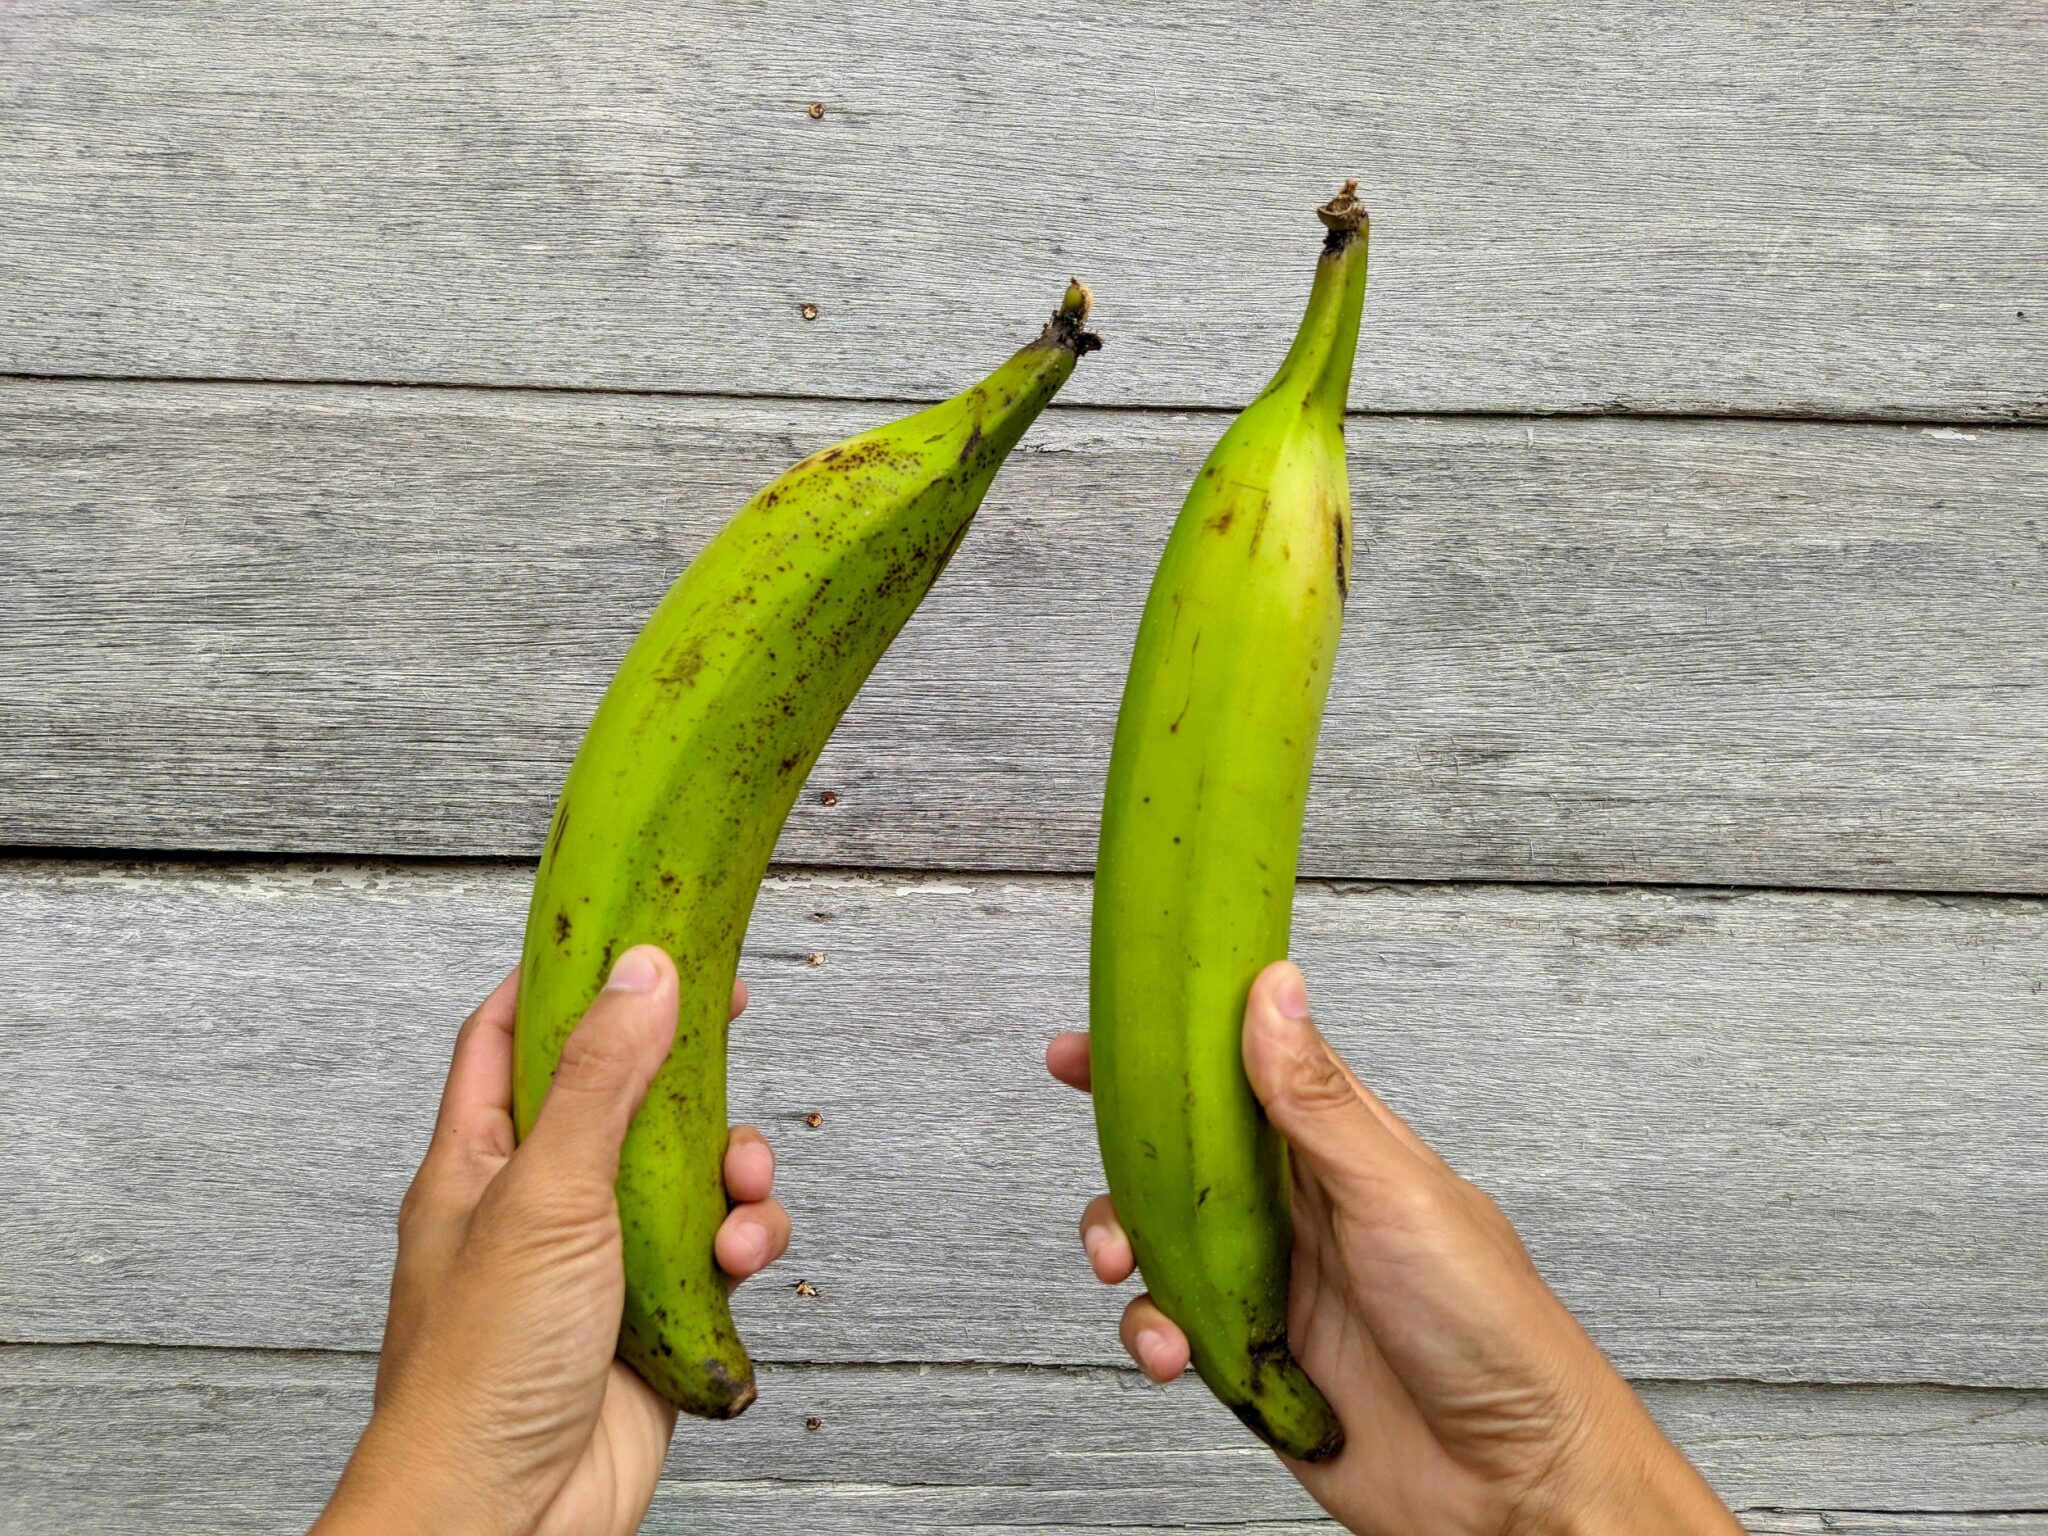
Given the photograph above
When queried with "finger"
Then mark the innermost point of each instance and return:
(475, 1118)
(605, 1067)
(1151, 1339)
(1109, 1247)
(739, 997)
(1311, 1097)
(751, 1238)
(749, 1165)
(1066, 1057)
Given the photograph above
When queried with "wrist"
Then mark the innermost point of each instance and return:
(1620, 1476)
(398, 1480)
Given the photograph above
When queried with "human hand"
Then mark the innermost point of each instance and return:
(1472, 1401)
(500, 1404)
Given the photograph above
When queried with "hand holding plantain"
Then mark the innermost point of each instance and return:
(1471, 1400)
(500, 1404)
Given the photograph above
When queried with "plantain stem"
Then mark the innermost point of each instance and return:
(1344, 216)
(1067, 327)
(1319, 362)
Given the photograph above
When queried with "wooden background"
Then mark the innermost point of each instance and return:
(1679, 835)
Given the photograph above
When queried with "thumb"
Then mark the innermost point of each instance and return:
(605, 1067)
(1309, 1095)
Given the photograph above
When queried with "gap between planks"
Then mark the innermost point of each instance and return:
(279, 1354)
(201, 863)
(1615, 410)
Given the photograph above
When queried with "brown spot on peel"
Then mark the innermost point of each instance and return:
(740, 1395)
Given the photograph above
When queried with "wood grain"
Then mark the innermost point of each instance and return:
(1777, 1137)
(376, 621)
(123, 1440)
(1769, 207)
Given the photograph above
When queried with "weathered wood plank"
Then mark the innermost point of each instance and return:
(1772, 207)
(125, 1440)
(376, 621)
(1782, 1137)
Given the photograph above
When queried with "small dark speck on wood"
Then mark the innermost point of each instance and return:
(814, 1119)
(814, 1423)
(809, 311)
(814, 958)
(804, 1288)
(817, 110)
(828, 797)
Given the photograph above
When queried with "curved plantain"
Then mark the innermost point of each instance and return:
(1194, 878)
(673, 806)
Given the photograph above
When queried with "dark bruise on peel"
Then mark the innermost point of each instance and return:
(1272, 1355)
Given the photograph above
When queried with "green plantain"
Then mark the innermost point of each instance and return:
(673, 806)
(1194, 878)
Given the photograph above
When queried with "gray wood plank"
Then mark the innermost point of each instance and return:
(375, 621)
(1768, 207)
(1779, 1137)
(126, 1440)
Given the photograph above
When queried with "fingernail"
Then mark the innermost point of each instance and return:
(1291, 995)
(635, 971)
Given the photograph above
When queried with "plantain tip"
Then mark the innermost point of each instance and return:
(1327, 1448)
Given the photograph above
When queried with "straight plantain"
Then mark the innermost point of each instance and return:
(674, 803)
(1194, 877)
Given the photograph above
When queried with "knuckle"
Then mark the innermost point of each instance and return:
(594, 1056)
(1318, 1085)
(414, 1205)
